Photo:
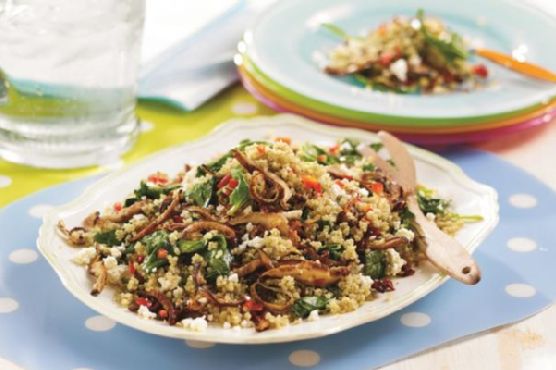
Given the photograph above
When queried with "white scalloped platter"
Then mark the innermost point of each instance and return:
(469, 197)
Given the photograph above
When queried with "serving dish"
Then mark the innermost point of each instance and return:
(468, 196)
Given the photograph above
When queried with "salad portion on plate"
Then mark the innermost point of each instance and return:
(268, 233)
(407, 55)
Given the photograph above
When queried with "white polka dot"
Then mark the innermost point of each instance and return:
(523, 200)
(99, 323)
(244, 108)
(145, 126)
(5, 181)
(520, 244)
(198, 344)
(521, 290)
(415, 319)
(40, 210)
(8, 305)
(304, 358)
(23, 256)
(8, 365)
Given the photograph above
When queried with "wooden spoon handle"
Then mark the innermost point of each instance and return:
(443, 251)
(525, 68)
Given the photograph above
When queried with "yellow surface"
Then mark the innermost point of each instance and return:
(169, 127)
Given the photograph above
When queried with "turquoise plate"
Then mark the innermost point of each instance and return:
(287, 44)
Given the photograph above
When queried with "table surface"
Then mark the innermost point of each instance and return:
(530, 344)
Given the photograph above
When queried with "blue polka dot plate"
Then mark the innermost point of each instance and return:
(469, 197)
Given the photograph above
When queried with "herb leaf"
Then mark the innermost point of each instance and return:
(218, 259)
(302, 307)
(107, 237)
(348, 151)
(153, 243)
(313, 153)
(240, 196)
(191, 246)
(149, 192)
(375, 264)
(201, 193)
(376, 146)
(335, 251)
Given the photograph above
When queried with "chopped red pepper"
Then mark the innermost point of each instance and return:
(142, 301)
(131, 267)
(233, 183)
(334, 149)
(162, 253)
(480, 70)
(386, 57)
(224, 181)
(377, 187)
(162, 314)
(311, 182)
(158, 178)
(140, 259)
(321, 158)
(252, 305)
(284, 139)
(118, 206)
(261, 149)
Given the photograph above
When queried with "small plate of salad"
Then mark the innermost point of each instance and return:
(405, 60)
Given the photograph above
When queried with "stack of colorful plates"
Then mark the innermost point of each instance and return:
(280, 62)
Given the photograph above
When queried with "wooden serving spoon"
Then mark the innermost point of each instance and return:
(528, 69)
(443, 251)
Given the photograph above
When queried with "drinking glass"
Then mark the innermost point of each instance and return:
(68, 72)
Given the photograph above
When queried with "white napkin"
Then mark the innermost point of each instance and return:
(188, 48)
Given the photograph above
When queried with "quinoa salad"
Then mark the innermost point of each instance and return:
(407, 55)
(265, 235)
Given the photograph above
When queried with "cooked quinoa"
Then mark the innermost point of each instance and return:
(265, 235)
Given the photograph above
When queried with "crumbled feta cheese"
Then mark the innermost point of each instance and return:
(313, 316)
(113, 269)
(226, 325)
(363, 192)
(256, 242)
(145, 313)
(399, 69)
(430, 216)
(189, 177)
(395, 262)
(366, 281)
(202, 300)
(249, 227)
(233, 278)
(406, 233)
(338, 191)
(139, 216)
(197, 324)
(115, 252)
(85, 256)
